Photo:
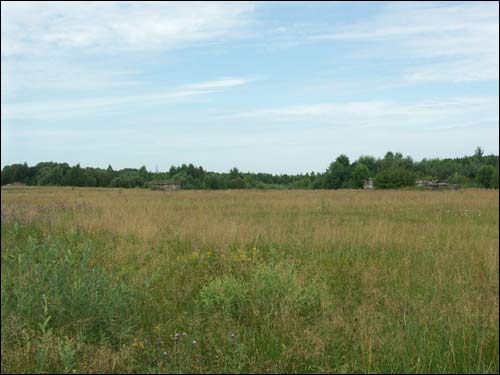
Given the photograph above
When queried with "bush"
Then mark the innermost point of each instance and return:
(227, 295)
(485, 176)
(394, 178)
(494, 179)
(267, 293)
(79, 297)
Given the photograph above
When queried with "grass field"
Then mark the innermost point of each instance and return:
(101, 280)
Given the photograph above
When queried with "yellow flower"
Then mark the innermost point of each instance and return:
(138, 344)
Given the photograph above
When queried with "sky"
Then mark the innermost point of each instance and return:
(278, 87)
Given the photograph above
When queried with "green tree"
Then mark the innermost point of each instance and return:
(394, 178)
(485, 176)
(457, 178)
(359, 174)
(494, 179)
(478, 154)
(337, 173)
(16, 173)
(234, 173)
(237, 183)
(370, 163)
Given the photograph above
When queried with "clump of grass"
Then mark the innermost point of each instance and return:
(56, 273)
(226, 295)
(270, 291)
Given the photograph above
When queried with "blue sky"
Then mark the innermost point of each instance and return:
(280, 87)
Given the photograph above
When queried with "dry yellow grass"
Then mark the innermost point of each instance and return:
(318, 218)
(402, 273)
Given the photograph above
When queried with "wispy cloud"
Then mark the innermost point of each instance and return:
(40, 27)
(219, 84)
(456, 41)
(68, 48)
(48, 75)
(70, 133)
(455, 112)
(72, 107)
(466, 69)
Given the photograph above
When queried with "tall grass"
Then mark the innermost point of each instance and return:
(109, 280)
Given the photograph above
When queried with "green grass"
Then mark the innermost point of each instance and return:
(289, 282)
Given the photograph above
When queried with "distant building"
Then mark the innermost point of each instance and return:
(436, 185)
(166, 185)
(368, 184)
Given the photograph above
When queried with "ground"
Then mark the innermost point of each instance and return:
(101, 280)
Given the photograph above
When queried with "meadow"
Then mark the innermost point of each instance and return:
(297, 281)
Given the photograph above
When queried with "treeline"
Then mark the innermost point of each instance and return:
(393, 171)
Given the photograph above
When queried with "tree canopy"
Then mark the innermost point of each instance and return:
(392, 171)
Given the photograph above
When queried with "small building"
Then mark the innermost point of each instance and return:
(17, 184)
(368, 184)
(166, 185)
(436, 185)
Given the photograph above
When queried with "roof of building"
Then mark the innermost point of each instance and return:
(166, 182)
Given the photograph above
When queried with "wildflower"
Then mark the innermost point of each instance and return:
(195, 342)
(138, 344)
(184, 334)
(164, 354)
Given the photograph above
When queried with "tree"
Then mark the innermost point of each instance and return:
(359, 174)
(457, 178)
(16, 173)
(494, 179)
(234, 173)
(214, 182)
(369, 162)
(478, 154)
(237, 183)
(337, 173)
(394, 178)
(485, 176)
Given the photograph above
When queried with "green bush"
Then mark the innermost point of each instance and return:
(227, 295)
(269, 291)
(394, 178)
(275, 288)
(485, 176)
(80, 298)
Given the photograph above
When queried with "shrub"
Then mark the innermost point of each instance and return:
(267, 293)
(80, 297)
(277, 287)
(227, 295)
(394, 178)
(485, 176)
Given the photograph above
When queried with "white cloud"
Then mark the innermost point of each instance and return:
(72, 133)
(25, 76)
(73, 107)
(43, 27)
(453, 41)
(66, 48)
(219, 84)
(462, 70)
(450, 112)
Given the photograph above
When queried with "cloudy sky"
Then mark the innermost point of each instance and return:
(269, 87)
